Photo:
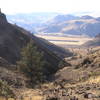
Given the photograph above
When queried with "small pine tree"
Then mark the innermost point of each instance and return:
(32, 63)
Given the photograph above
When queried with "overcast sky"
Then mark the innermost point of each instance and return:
(62, 6)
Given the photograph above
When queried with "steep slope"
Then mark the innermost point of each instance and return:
(85, 25)
(13, 38)
(48, 48)
(59, 51)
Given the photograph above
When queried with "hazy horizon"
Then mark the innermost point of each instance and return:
(77, 7)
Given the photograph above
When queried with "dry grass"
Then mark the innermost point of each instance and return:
(60, 40)
(11, 99)
(95, 79)
(37, 98)
(24, 98)
(2, 98)
(33, 98)
(92, 80)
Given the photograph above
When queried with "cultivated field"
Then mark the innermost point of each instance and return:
(66, 40)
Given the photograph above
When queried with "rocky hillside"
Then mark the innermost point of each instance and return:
(79, 82)
(13, 38)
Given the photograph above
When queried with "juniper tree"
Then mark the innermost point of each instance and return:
(32, 63)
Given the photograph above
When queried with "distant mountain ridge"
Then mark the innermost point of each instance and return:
(57, 23)
(73, 25)
(62, 18)
(30, 21)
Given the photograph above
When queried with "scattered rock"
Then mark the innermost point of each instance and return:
(88, 95)
(74, 98)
